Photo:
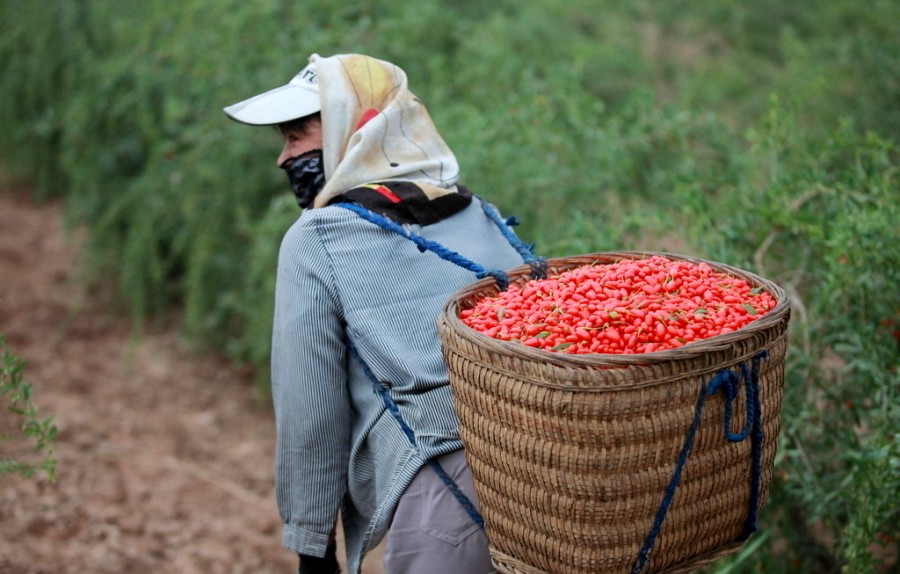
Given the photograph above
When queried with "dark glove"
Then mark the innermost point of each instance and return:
(325, 565)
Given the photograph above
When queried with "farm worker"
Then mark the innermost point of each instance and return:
(365, 423)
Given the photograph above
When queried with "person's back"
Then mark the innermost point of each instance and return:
(365, 417)
(385, 295)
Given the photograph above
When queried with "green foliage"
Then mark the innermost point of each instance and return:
(760, 134)
(16, 395)
(819, 216)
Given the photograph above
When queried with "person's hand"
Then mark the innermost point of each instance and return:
(328, 564)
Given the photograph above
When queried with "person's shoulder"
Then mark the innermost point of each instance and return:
(319, 222)
(472, 213)
(311, 218)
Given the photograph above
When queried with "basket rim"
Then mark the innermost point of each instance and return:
(449, 316)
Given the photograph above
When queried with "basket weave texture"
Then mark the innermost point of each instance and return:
(572, 454)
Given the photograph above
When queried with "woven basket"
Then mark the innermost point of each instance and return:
(572, 455)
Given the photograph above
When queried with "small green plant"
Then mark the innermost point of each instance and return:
(16, 395)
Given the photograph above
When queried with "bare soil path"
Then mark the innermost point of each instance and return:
(165, 457)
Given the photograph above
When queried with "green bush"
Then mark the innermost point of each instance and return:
(16, 397)
(760, 134)
(818, 217)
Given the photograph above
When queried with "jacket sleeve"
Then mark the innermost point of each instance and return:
(309, 391)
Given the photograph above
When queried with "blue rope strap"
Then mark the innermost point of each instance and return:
(427, 245)
(538, 271)
(538, 264)
(460, 496)
(382, 390)
(728, 381)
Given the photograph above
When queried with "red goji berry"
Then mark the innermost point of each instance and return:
(632, 306)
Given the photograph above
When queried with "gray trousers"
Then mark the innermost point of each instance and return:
(431, 533)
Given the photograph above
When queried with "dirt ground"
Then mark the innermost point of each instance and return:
(165, 457)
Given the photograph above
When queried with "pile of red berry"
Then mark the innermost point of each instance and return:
(631, 306)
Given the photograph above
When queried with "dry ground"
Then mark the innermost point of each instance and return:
(165, 457)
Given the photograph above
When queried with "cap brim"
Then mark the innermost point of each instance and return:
(283, 104)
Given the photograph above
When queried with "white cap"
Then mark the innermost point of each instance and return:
(296, 99)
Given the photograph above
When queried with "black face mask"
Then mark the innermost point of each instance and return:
(306, 174)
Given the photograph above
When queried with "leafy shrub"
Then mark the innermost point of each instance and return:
(16, 396)
(816, 216)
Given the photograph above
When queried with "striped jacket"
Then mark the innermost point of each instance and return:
(337, 446)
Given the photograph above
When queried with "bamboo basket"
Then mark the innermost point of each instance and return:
(574, 457)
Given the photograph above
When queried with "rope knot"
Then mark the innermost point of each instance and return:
(729, 382)
(726, 379)
(539, 268)
(499, 275)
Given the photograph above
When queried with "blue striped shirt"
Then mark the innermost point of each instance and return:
(337, 445)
